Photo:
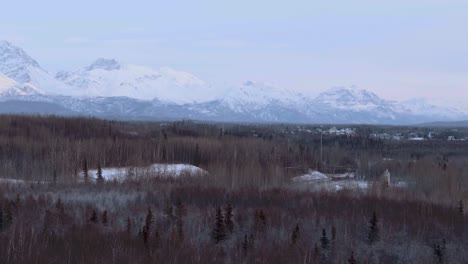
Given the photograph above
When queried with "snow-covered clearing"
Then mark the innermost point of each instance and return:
(154, 170)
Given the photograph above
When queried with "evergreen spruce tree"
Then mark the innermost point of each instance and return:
(219, 231)
(228, 219)
(54, 179)
(439, 251)
(351, 259)
(295, 234)
(373, 229)
(105, 218)
(324, 241)
(147, 228)
(460, 207)
(100, 178)
(245, 245)
(94, 218)
(85, 171)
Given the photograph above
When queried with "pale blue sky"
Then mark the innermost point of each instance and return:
(398, 49)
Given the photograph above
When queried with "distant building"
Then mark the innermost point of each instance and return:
(386, 177)
(451, 138)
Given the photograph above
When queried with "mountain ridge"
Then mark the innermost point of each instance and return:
(107, 87)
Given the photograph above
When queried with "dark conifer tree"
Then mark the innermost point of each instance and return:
(373, 229)
(259, 221)
(228, 219)
(460, 207)
(245, 245)
(147, 228)
(295, 234)
(105, 219)
(85, 171)
(219, 231)
(439, 252)
(351, 259)
(54, 179)
(94, 218)
(100, 178)
(324, 241)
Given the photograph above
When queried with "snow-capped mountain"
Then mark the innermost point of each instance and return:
(108, 77)
(109, 89)
(428, 107)
(19, 66)
(9, 87)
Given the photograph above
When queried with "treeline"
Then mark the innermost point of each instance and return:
(56, 149)
(178, 222)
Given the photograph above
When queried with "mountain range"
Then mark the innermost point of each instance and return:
(106, 88)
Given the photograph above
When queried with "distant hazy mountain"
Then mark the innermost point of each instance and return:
(107, 88)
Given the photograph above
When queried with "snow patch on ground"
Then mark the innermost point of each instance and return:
(154, 170)
(311, 176)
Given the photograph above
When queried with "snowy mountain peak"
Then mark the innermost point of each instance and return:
(104, 64)
(15, 62)
(347, 96)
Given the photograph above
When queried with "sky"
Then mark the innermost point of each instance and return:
(398, 49)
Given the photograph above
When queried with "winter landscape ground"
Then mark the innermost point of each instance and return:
(81, 190)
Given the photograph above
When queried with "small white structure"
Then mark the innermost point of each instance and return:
(386, 177)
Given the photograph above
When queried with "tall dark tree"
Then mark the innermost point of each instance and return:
(105, 218)
(295, 234)
(324, 241)
(94, 218)
(439, 251)
(351, 259)
(460, 207)
(146, 232)
(259, 221)
(54, 179)
(100, 178)
(219, 231)
(373, 229)
(85, 171)
(228, 219)
(245, 245)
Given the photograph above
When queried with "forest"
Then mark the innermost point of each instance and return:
(245, 209)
